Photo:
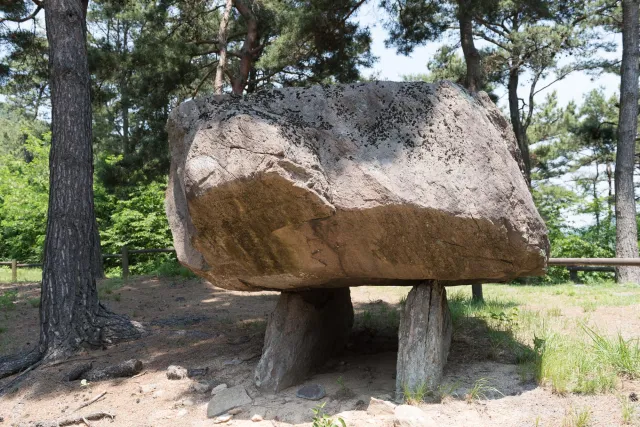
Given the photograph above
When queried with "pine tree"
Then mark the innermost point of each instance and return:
(626, 226)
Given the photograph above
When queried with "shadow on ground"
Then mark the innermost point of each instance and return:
(196, 325)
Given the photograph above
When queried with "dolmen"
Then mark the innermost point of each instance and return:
(309, 191)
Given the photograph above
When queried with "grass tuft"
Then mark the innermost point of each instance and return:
(107, 287)
(482, 390)
(415, 396)
(628, 410)
(575, 418)
(7, 300)
(622, 355)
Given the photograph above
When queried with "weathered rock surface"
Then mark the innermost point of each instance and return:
(424, 338)
(344, 185)
(227, 399)
(305, 330)
(379, 407)
(410, 416)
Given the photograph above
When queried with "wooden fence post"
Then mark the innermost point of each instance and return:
(14, 271)
(476, 291)
(125, 263)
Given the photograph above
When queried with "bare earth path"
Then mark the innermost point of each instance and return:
(197, 325)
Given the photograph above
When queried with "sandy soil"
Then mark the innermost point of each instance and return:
(197, 325)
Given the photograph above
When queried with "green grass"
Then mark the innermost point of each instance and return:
(108, 287)
(320, 419)
(416, 395)
(482, 390)
(7, 300)
(24, 274)
(628, 410)
(526, 325)
(619, 354)
(577, 418)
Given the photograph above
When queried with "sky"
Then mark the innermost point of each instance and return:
(391, 66)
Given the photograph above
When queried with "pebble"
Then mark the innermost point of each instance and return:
(200, 387)
(182, 412)
(218, 389)
(257, 418)
(223, 419)
(147, 388)
(175, 372)
(311, 392)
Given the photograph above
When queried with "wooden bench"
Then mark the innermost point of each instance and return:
(573, 271)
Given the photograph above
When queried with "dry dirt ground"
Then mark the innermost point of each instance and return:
(196, 325)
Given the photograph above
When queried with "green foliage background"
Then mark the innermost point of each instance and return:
(135, 219)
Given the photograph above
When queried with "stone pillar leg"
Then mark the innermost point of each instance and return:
(305, 329)
(424, 338)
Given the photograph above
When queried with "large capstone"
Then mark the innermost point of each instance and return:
(424, 339)
(344, 185)
(305, 330)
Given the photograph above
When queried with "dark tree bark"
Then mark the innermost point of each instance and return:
(471, 55)
(516, 121)
(222, 42)
(626, 228)
(249, 47)
(70, 313)
(124, 97)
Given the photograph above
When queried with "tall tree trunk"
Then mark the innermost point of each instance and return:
(596, 206)
(223, 32)
(516, 120)
(626, 228)
(609, 194)
(70, 313)
(124, 95)
(471, 54)
(248, 47)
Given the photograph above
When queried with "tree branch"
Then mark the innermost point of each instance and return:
(26, 18)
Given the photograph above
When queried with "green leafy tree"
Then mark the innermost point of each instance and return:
(24, 190)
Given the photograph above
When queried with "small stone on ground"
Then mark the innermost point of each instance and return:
(311, 392)
(410, 416)
(380, 407)
(197, 372)
(217, 389)
(257, 418)
(226, 400)
(223, 419)
(201, 387)
(175, 372)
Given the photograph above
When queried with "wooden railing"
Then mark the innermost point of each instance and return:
(573, 264)
(124, 254)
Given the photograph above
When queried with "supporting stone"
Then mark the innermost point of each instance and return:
(305, 329)
(424, 338)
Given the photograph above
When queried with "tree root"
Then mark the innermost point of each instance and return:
(111, 328)
(117, 328)
(17, 363)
